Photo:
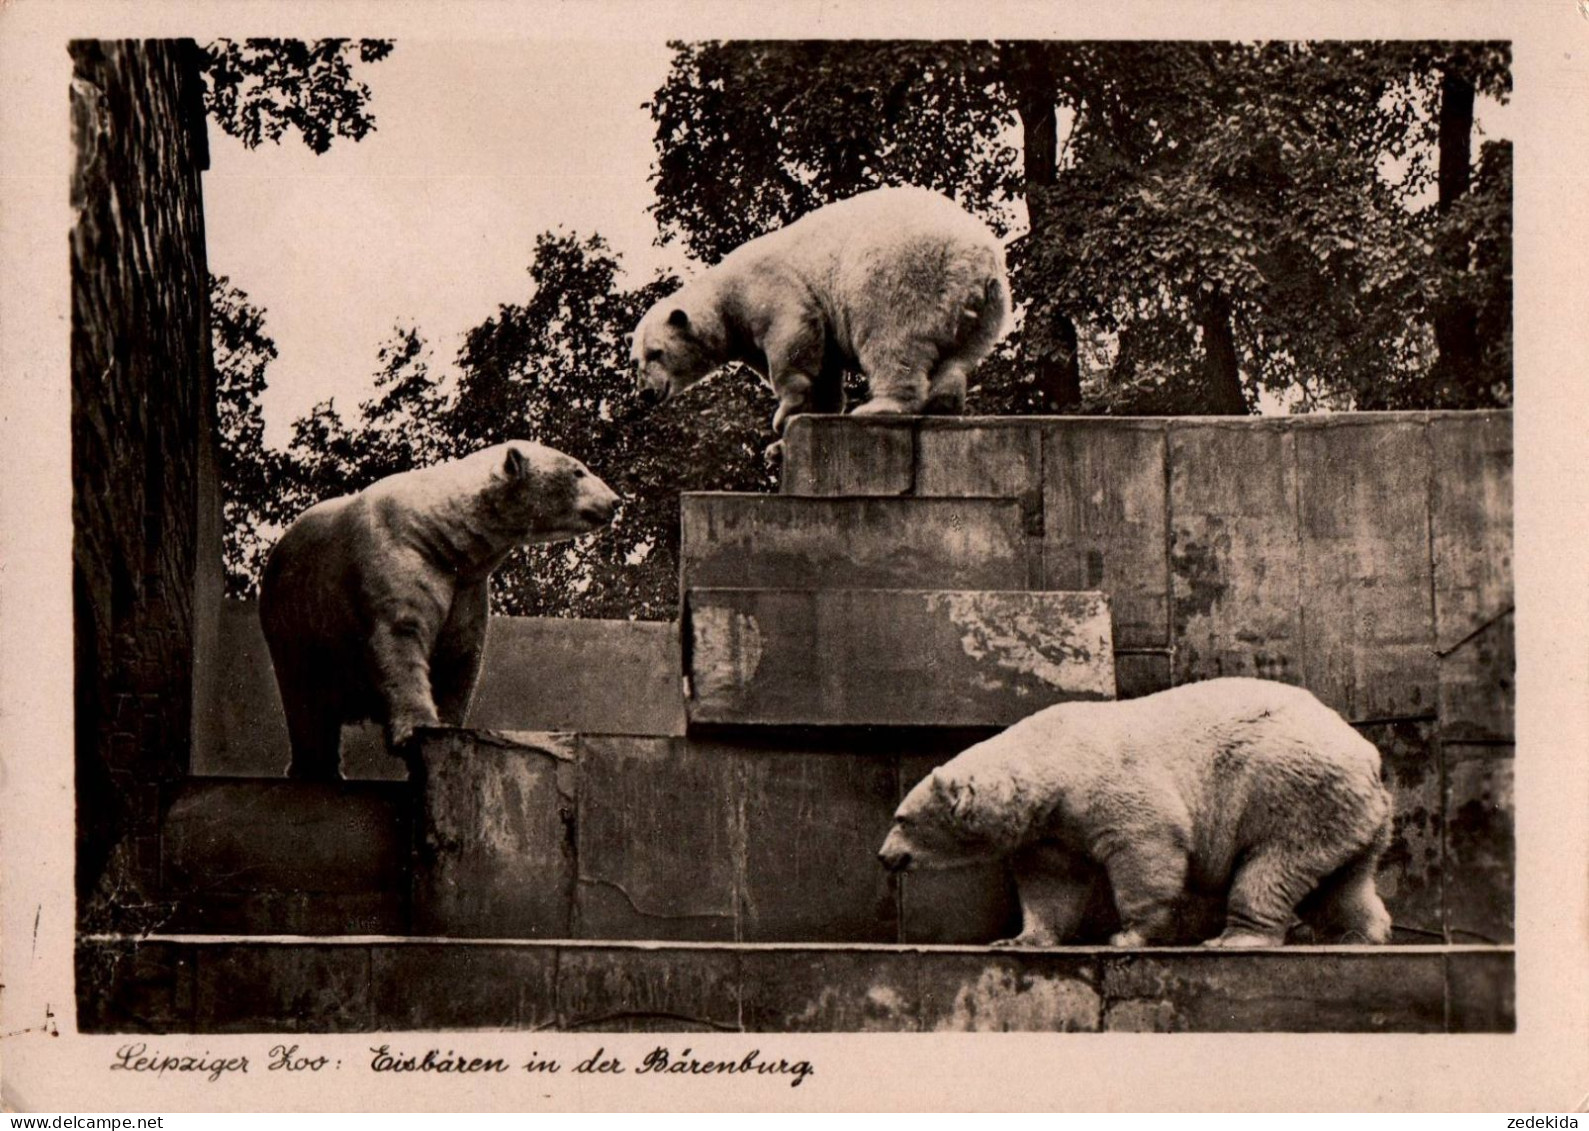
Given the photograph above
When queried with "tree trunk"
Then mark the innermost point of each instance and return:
(1456, 321)
(1029, 82)
(1222, 393)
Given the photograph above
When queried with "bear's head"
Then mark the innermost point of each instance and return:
(676, 344)
(950, 819)
(544, 495)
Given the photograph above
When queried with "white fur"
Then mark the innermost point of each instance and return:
(1239, 784)
(901, 282)
(375, 604)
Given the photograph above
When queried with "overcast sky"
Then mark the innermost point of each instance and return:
(432, 218)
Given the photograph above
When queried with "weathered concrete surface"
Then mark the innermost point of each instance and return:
(1235, 551)
(1046, 992)
(813, 820)
(285, 857)
(1104, 515)
(786, 541)
(848, 456)
(1412, 871)
(167, 985)
(1367, 579)
(1360, 990)
(892, 657)
(494, 853)
(648, 991)
(1471, 505)
(539, 673)
(659, 840)
(587, 676)
(1480, 844)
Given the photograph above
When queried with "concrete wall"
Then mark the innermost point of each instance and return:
(606, 677)
(141, 472)
(1364, 556)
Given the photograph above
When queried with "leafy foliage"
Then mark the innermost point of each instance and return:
(552, 369)
(1218, 224)
(258, 90)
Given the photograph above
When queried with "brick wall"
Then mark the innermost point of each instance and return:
(141, 403)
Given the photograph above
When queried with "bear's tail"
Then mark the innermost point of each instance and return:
(987, 317)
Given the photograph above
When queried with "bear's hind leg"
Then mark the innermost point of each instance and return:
(896, 375)
(1347, 905)
(1264, 896)
(946, 390)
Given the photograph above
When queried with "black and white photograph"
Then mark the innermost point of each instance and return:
(645, 545)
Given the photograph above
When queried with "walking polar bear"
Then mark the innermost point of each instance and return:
(901, 282)
(1245, 787)
(375, 605)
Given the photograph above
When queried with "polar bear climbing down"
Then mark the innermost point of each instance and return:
(375, 605)
(1238, 786)
(901, 282)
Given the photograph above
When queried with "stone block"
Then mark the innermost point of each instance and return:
(239, 729)
(1411, 873)
(382, 912)
(1011, 993)
(1481, 985)
(463, 986)
(1481, 853)
(835, 657)
(830, 990)
(584, 676)
(1296, 990)
(1104, 515)
(223, 836)
(1366, 573)
(1234, 550)
(790, 542)
(494, 852)
(1471, 526)
(650, 990)
(848, 455)
(813, 822)
(283, 987)
(658, 840)
(132, 986)
(1141, 673)
(983, 456)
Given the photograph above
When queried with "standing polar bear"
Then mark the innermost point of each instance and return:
(901, 282)
(375, 605)
(1238, 786)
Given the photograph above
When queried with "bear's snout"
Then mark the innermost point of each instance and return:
(598, 502)
(652, 393)
(894, 856)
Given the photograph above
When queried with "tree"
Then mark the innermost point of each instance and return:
(555, 369)
(1205, 220)
(258, 90)
(248, 470)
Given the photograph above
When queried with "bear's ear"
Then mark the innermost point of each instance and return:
(516, 465)
(961, 795)
(679, 319)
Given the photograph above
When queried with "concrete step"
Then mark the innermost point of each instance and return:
(211, 984)
(891, 657)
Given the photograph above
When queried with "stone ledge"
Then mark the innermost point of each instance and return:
(216, 984)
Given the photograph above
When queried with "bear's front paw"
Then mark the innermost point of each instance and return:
(773, 453)
(1131, 938)
(1245, 939)
(1026, 938)
(401, 731)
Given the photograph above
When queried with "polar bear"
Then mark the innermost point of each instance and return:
(901, 282)
(1244, 787)
(375, 605)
